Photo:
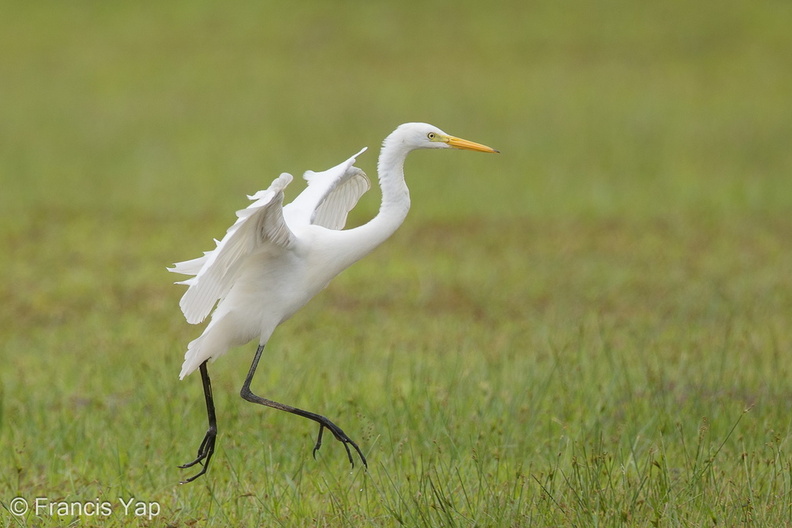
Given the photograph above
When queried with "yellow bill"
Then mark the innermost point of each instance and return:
(468, 145)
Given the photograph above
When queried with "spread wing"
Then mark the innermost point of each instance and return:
(329, 197)
(257, 226)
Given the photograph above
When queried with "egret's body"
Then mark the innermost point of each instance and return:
(275, 258)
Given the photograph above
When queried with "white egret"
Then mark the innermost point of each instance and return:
(275, 258)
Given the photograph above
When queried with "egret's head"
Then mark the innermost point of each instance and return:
(425, 136)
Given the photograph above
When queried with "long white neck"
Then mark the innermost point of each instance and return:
(395, 194)
(394, 207)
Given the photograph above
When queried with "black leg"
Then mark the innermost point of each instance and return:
(321, 420)
(206, 449)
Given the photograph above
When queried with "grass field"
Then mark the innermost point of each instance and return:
(592, 328)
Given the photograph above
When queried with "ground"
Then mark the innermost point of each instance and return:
(591, 328)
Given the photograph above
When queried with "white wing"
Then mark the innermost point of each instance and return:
(259, 225)
(330, 196)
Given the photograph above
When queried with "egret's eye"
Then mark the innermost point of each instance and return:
(431, 136)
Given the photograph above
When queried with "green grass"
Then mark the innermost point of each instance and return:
(592, 328)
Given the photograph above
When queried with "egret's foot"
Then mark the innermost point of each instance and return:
(341, 437)
(205, 452)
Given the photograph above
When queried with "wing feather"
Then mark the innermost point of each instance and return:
(332, 210)
(260, 224)
(330, 195)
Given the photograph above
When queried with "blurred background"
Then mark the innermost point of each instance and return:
(599, 108)
(130, 131)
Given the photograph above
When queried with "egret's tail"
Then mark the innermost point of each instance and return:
(193, 358)
(207, 347)
(220, 335)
